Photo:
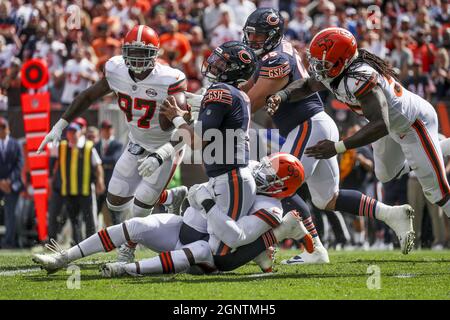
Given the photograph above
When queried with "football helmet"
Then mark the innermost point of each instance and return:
(233, 62)
(266, 21)
(140, 48)
(278, 175)
(331, 51)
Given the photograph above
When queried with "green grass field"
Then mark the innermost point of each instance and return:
(420, 275)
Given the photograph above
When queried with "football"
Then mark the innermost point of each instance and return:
(166, 124)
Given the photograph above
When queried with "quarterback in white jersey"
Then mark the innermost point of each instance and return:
(141, 85)
(402, 127)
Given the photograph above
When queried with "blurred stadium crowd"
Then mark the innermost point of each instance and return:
(76, 38)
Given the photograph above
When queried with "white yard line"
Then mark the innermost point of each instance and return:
(10, 273)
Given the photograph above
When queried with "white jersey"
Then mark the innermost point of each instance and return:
(197, 221)
(270, 205)
(74, 83)
(141, 100)
(403, 105)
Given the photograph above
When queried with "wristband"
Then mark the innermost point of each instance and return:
(340, 147)
(157, 157)
(178, 121)
(284, 96)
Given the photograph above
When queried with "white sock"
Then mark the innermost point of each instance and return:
(381, 211)
(167, 262)
(317, 242)
(103, 241)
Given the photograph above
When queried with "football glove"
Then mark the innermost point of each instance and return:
(54, 135)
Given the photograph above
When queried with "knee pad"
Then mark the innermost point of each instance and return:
(138, 226)
(321, 203)
(118, 208)
(201, 251)
(147, 195)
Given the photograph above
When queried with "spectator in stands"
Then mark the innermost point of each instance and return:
(419, 82)
(104, 45)
(241, 10)
(109, 150)
(175, 46)
(212, 14)
(424, 50)
(76, 183)
(11, 84)
(441, 74)
(356, 173)
(11, 162)
(226, 30)
(327, 18)
(401, 56)
(79, 73)
(301, 25)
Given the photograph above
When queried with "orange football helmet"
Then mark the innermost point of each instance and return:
(330, 52)
(279, 175)
(140, 48)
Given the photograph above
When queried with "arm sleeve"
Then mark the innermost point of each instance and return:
(180, 85)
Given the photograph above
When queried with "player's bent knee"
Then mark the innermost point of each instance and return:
(138, 226)
(141, 209)
(201, 251)
(323, 203)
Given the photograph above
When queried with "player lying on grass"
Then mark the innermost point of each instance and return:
(183, 241)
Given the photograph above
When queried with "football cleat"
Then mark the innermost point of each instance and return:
(125, 253)
(54, 261)
(319, 256)
(178, 194)
(400, 219)
(113, 270)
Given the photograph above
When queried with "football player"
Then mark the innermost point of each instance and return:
(402, 127)
(141, 84)
(304, 123)
(222, 129)
(183, 241)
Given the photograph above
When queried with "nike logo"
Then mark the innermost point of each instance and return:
(402, 136)
(271, 62)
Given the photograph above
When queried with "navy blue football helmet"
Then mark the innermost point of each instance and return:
(268, 22)
(233, 62)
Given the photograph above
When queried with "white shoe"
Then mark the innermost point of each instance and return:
(125, 253)
(400, 219)
(178, 194)
(319, 256)
(437, 247)
(292, 227)
(266, 259)
(54, 261)
(113, 270)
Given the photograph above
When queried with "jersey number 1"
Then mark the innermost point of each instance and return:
(126, 105)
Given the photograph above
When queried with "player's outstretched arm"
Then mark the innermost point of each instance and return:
(79, 104)
(296, 91)
(83, 101)
(374, 107)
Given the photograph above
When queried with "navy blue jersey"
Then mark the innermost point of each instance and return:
(227, 110)
(285, 61)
